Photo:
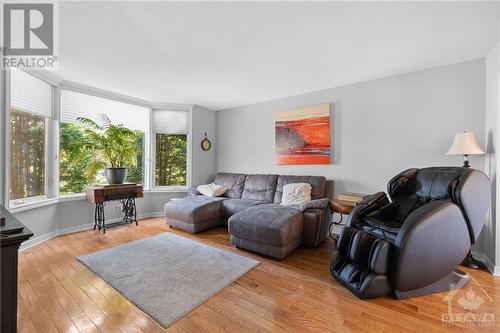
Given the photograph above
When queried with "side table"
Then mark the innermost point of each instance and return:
(341, 207)
(124, 193)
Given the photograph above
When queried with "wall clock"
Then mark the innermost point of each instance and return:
(206, 144)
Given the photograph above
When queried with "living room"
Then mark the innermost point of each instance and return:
(249, 166)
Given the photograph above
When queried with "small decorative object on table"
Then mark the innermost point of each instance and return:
(351, 197)
(124, 193)
(343, 205)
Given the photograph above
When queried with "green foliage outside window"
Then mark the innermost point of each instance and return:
(86, 151)
(75, 159)
(27, 155)
(136, 173)
(171, 155)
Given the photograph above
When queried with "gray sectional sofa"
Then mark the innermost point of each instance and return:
(251, 209)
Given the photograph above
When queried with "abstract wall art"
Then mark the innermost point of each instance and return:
(303, 135)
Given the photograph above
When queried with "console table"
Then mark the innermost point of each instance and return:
(124, 193)
(12, 234)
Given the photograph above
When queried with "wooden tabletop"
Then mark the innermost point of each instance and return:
(98, 194)
(341, 206)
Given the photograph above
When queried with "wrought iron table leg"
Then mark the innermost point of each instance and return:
(103, 220)
(95, 216)
(99, 217)
(339, 222)
(129, 209)
(135, 212)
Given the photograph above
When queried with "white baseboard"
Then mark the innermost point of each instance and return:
(495, 270)
(37, 240)
(156, 214)
(69, 230)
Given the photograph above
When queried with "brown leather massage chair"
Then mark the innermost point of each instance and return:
(409, 243)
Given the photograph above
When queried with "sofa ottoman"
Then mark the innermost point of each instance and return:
(194, 214)
(232, 206)
(270, 229)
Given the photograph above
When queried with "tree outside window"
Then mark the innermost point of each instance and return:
(27, 155)
(171, 152)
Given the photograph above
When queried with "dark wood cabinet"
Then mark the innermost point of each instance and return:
(11, 237)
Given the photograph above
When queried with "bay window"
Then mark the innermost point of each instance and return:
(75, 158)
(30, 112)
(49, 154)
(170, 130)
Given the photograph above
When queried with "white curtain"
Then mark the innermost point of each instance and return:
(170, 122)
(75, 104)
(30, 94)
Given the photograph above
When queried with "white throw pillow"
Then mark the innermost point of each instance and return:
(296, 194)
(211, 190)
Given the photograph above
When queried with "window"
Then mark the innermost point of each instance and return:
(77, 161)
(30, 110)
(170, 129)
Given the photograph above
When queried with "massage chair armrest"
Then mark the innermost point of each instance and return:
(192, 191)
(432, 242)
(366, 206)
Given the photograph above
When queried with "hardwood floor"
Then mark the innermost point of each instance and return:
(58, 294)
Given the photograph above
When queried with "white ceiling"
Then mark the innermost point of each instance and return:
(222, 54)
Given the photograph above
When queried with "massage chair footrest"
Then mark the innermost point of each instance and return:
(361, 263)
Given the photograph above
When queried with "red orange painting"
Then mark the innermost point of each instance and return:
(303, 135)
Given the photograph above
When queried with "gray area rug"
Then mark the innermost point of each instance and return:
(166, 275)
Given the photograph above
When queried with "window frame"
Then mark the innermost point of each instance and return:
(152, 177)
(49, 195)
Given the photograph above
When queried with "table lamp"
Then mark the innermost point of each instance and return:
(465, 144)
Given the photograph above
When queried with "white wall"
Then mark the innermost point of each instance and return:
(203, 161)
(490, 235)
(378, 127)
(41, 221)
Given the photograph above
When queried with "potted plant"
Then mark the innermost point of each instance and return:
(114, 148)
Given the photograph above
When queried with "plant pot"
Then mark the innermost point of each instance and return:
(115, 175)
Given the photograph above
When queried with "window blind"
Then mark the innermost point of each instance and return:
(30, 94)
(170, 122)
(75, 104)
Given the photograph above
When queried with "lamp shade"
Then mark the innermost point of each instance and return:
(465, 144)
